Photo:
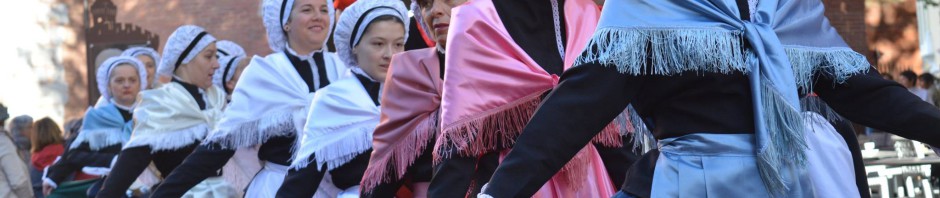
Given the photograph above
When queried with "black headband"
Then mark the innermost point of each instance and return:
(192, 44)
(281, 18)
(225, 72)
(352, 41)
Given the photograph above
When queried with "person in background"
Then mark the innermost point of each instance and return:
(172, 119)
(887, 76)
(20, 128)
(928, 82)
(14, 179)
(909, 80)
(232, 61)
(72, 129)
(149, 57)
(46, 143)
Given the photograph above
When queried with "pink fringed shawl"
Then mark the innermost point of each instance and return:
(411, 99)
(492, 87)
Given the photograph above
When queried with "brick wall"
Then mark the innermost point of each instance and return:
(891, 28)
(848, 17)
(235, 20)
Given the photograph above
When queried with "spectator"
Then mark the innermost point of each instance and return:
(887, 76)
(71, 130)
(909, 80)
(20, 127)
(927, 82)
(46, 143)
(14, 181)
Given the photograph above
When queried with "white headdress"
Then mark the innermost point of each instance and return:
(182, 46)
(275, 13)
(227, 67)
(228, 48)
(103, 75)
(146, 51)
(355, 19)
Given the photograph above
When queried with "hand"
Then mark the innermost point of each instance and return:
(47, 189)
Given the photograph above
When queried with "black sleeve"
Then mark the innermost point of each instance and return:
(73, 160)
(303, 182)
(130, 163)
(202, 163)
(870, 100)
(588, 98)
(83, 156)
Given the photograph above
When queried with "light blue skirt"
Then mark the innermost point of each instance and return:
(716, 165)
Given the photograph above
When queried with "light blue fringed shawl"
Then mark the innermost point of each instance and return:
(788, 41)
(103, 126)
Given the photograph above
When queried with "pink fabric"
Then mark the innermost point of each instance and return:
(241, 168)
(596, 182)
(493, 87)
(411, 99)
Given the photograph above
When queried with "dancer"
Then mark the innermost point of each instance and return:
(270, 104)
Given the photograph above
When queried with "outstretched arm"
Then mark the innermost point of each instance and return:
(871, 100)
(587, 99)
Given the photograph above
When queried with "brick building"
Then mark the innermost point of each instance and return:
(883, 30)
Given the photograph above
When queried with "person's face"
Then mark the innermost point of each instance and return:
(27, 130)
(905, 81)
(374, 51)
(922, 84)
(200, 69)
(308, 24)
(230, 84)
(124, 84)
(437, 16)
(151, 67)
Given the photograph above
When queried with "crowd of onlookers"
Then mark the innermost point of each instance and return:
(924, 85)
(27, 147)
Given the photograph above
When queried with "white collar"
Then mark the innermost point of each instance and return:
(126, 108)
(303, 58)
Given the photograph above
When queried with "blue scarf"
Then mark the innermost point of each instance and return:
(103, 126)
(789, 41)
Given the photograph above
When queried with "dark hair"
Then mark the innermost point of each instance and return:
(910, 75)
(4, 115)
(46, 132)
(927, 78)
(887, 76)
(380, 19)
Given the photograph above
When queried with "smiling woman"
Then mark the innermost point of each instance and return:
(338, 133)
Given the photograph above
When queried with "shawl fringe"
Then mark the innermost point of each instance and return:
(170, 140)
(840, 63)
(258, 131)
(338, 153)
(98, 139)
(666, 51)
(817, 105)
(403, 156)
(786, 144)
(495, 128)
(642, 137)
